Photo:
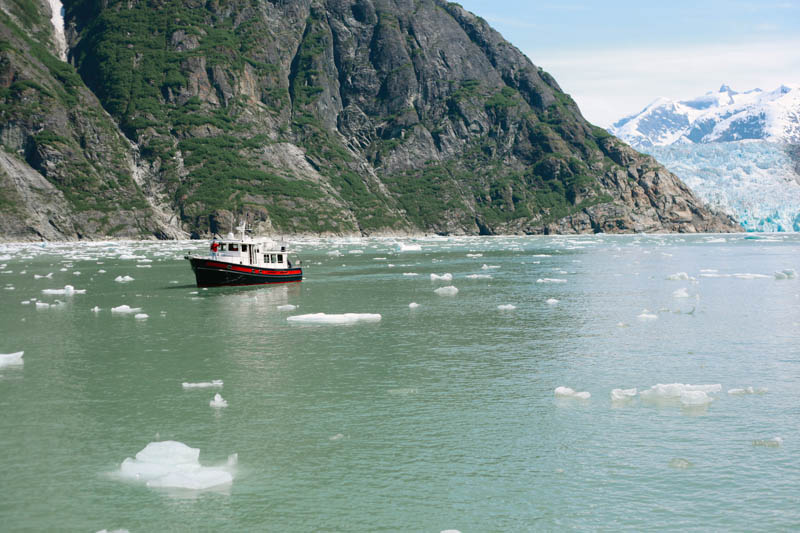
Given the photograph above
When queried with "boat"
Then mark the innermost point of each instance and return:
(244, 261)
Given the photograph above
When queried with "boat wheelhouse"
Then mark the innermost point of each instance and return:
(244, 261)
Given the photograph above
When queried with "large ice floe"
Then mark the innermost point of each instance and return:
(68, 290)
(566, 392)
(11, 359)
(686, 395)
(345, 318)
(446, 291)
(172, 464)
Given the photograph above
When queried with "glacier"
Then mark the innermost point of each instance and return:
(739, 152)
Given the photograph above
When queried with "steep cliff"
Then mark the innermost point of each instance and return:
(325, 116)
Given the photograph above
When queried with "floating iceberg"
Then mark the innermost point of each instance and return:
(474, 255)
(68, 290)
(410, 274)
(688, 395)
(123, 279)
(141, 316)
(48, 276)
(287, 307)
(480, 276)
(646, 315)
(125, 309)
(551, 301)
(748, 275)
(42, 305)
(550, 280)
(566, 392)
(172, 464)
(11, 359)
(788, 273)
(489, 267)
(401, 247)
(681, 293)
(506, 307)
(747, 390)
(413, 305)
(623, 395)
(678, 276)
(443, 277)
(346, 318)
(218, 402)
(446, 291)
(202, 384)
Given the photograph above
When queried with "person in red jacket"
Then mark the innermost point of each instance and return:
(214, 248)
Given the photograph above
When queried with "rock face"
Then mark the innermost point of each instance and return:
(322, 116)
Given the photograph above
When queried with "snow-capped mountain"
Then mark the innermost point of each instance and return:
(737, 151)
(716, 117)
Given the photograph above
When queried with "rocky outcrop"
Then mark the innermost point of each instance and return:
(327, 117)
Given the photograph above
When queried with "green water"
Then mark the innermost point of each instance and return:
(439, 417)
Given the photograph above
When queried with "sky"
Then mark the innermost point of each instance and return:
(616, 56)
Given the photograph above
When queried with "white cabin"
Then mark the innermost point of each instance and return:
(258, 252)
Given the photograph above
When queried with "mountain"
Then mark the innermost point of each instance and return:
(740, 152)
(307, 116)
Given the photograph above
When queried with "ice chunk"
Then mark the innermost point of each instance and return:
(622, 395)
(646, 315)
(413, 305)
(76, 273)
(356, 252)
(489, 267)
(172, 464)
(202, 384)
(287, 307)
(218, 402)
(336, 437)
(68, 290)
(444, 277)
(410, 274)
(479, 276)
(747, 390)
(774, 442)
(748, 275)
(141, 316)
(125, 309)
(48, 276)
(474, 255)
(402, 247)
(334, 253)
(42, 305)
(446, 291)
(680, 463)
(346, 318)
(506, 307)
(95, 309)
(678, 276)
(787, 273)
(550, 280)
(681, 293)
(695, 397)
(566, 392)
(551, 301)
(25, 302)
(11, 359)
(688, 395)
(101, 271)
(123, 279)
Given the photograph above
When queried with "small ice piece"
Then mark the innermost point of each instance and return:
(25, 302)
(747, 390)
(101, 271)
(623, 395)
(402, 247)
(11, 359)
(681, 293)
(336, 437)
(95, 309)
(550, 280)
(42, 305)
(566, 392)
(413, 305)
(141, 316)
(48, 276)
(287, 307)
(479, 276)
(125, 309)
(323, 318)
(688, 395)
(202, 384)
(446, 291)
(334, 253)
(774, 442)
(506, 307)
(788, 273)
(748, 275)
(489, 267)
(695, 397)
(646, 315)
(76, 273)
(444, 277)
(551, 301)
(680, 463)
(474, 255)
(172, 464)
(218, 402)
(356, 252)
(410, 274)
(678, 276)
(123, 279)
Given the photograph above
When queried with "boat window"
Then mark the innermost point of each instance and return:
(222, 247)
(233, 247)
(274, 259)
(280, 258)
(266, 258)
(244, 247)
